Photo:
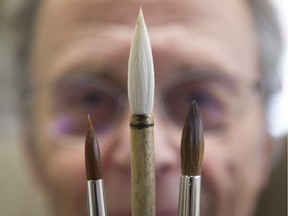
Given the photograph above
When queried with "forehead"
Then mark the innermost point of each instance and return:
(222, 29)
(156, 11)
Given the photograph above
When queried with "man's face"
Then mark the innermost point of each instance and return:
(202, 50)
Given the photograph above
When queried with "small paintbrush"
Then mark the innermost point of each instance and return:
(95, 187)
(192, 151)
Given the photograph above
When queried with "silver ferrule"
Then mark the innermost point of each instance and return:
(189, 198)
(96, 198)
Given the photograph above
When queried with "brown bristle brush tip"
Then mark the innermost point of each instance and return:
(92, 154)
(192, 143)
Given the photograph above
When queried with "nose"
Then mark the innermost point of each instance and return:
(166, 144)
(120, 146)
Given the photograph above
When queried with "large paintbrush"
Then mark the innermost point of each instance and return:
(141, 97)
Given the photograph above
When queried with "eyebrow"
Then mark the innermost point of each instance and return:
(88, 76)
(190, 74)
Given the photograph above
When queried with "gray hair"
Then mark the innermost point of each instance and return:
(270, 45)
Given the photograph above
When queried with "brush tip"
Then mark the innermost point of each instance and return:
(192, 143)
(141, 70)
(89, 122)
(92, 154)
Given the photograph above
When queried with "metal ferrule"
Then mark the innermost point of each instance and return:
(189, 198)
(96, 198)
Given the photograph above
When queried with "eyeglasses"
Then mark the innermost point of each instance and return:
(78, 95)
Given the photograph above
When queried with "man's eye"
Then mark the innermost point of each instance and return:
(73, 105)
(178, 101)
(95, 100)
(92, 99)
(85, 98)
(202, 99)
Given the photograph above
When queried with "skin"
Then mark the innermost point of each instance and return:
(95, 34)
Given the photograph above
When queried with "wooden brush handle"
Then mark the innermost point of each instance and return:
(142, 165)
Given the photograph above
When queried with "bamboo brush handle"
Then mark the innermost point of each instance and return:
(142, 165)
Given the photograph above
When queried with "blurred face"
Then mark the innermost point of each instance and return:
(202, 50)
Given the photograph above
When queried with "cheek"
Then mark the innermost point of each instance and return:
(61, 170)
(248, 136)
(64, 178)
(233, 163)
(64, 164)
(243, 142)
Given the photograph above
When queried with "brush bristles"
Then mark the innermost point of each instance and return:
(141, 70)
(92, 154)
(192, 143)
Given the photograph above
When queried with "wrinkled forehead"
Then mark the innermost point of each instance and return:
(119, 12)
(156, 12)
(224, 27)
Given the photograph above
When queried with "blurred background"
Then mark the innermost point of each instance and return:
(18, 195)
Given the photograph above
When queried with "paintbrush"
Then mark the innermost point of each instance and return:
(95, 187)
(192, 151)
(141, 97)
